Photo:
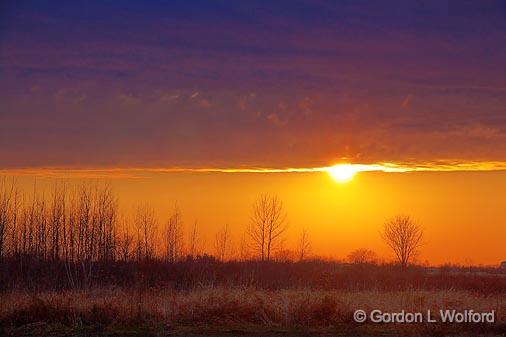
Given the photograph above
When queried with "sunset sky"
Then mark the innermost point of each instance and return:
(163, 99)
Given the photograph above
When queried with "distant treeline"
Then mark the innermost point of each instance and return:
(74, 236)
(207, 272)
(82, 223)
(76, 226)
(78, 229)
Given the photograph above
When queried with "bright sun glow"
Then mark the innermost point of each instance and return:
(342, 172)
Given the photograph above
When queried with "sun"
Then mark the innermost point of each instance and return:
(342, 173)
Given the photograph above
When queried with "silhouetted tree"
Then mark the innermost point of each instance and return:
(222, 243)
(194, 242)
(125, 242)
(145, 224)
(267, 225)
(362, 255)
(243, 251)
(174, 236)
(404, 236)
(105, 218)
(56, 223)
(7, 196)
(304, 245)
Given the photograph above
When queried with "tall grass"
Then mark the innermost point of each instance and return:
(219, 306)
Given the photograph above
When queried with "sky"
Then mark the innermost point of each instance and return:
(463, 214)
(101, 88)
(239, 84)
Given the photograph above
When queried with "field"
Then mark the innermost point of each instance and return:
(225, 311)
(204, 305)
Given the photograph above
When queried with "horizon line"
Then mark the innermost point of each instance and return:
(385, 167)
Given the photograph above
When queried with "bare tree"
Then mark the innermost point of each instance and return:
(285, 255)
(404, 236)
(56, 222)
(222, 243)
(174, 236)
(14, 225)
(83, 214)
(304, 245)
(267, 225)
(361, 256)
(39, 230)
(105, 219)
(243, 253)
(125, 242)
(145, 225)
(88, 229)
(7, 196)
(194, 244)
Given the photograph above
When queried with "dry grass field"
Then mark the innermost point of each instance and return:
(218, 311)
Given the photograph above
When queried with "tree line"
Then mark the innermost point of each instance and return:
(82, 224)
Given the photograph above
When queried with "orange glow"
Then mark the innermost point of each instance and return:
(142, 172)
(452, 206)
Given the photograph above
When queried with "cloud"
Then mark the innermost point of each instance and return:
(168, 97)
(274, 119)
(204, 103)
(127, 99)
(306, 106)
(96, 88)
(71, 95)
(407, 101)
